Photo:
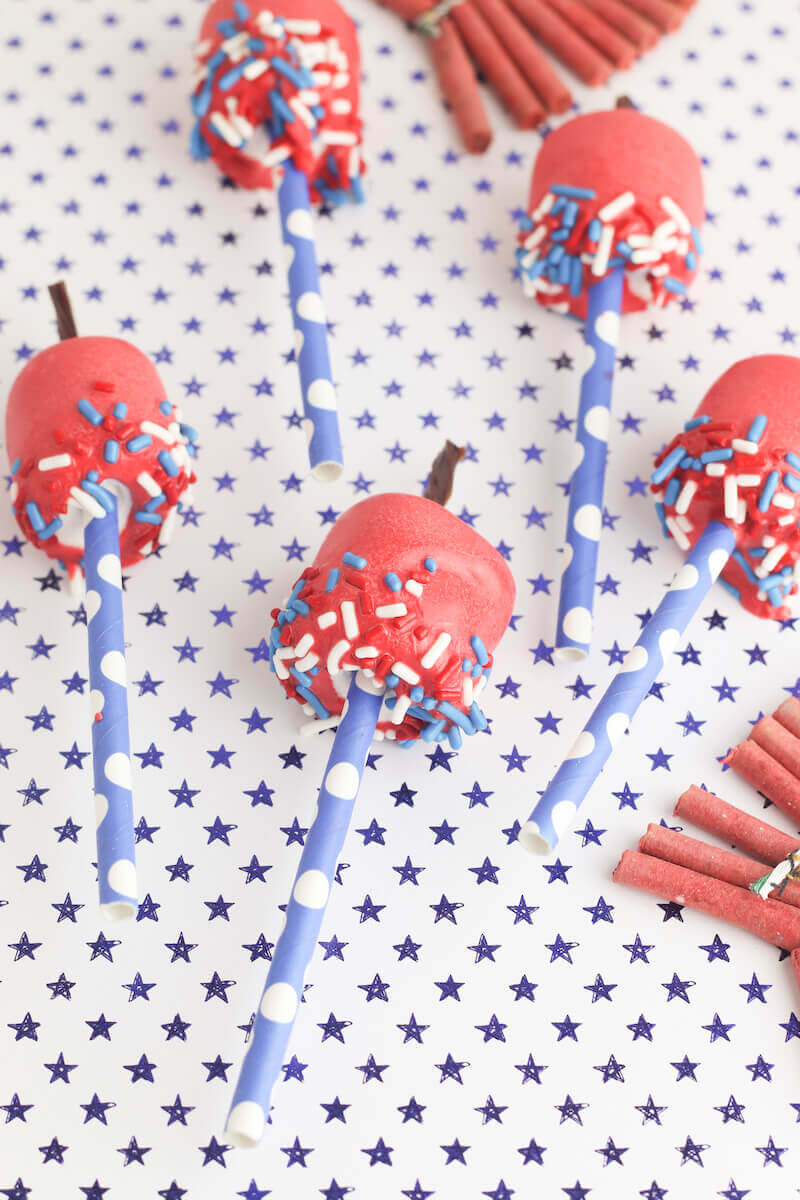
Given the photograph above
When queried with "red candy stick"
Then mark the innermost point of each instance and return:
(778, 743)
(767, 776)
(487, 51)
(788, 714)
(668, 17)
(608, 41)
(758, 838)
(563, 41)
(674, 847)
(768, 919)
(636, 29)
(459, 85)
(525, 52)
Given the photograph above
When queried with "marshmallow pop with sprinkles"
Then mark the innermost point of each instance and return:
(276, 102)
(100, 460)
(388, 634)
(615, 209)
(728, 491)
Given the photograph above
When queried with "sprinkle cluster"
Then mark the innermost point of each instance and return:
(708, 473)
(332, 626)
(75, 479)
(567, 243)
(292, 78)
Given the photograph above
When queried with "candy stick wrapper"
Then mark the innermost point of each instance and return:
(585, 516)
(603, 36)
(788, 714)
(297, 942)
(563, 41)
(558, 804)
(757, 838)
(768, 919)
(459, 86)
(311, 334)
(776, 741)
(671, 846)
(767, 776)
(636, 29)
(116, 868)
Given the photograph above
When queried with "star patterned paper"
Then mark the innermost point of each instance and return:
(476, 1022)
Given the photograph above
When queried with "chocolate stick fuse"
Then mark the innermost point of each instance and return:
(443, 468)
(755, 837)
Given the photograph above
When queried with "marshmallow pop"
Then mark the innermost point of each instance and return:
(276, 101)
(388, 634)
(728, 491)
(616, 203)
(99, 461)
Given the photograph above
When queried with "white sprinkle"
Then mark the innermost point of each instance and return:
(748, 480)
(304, 645)
(656, 272)
(414, 587)
(404, 672)
(400, 709)
(435, 652)
(603, 252)
(349, 619)
(318, 725)
(645, 256)
(254, 69)
(335, 655)
(223, 127)
(767, 541)
(638, 241)
(467, 692)
(662, 231)
(684, 523)
(616, 207)
(337, 137)
(303, 113)
(167, 526)
(273, 157)
(236, 47)
(88, 502)
(354, 163)
(157, 431)
(306, 663)
(387, 611)
(686, 496)
(676, 212)
(678, 534)
(341, 80)
(479, 686)
(744, 447)
(285, 652)
(787, 520)
(717, 469)
(534, 238)
(54, 462)
(241, 125)
(326, 619)
(280, 669)
(544, 207)
(783, 500)
(310, 28)
(367, 652)
(731, 495)
(308, 710)
(146, 549)
(771, 560)
(390, 735)
(742, 513)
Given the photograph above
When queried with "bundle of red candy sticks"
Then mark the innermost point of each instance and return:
(504, 40)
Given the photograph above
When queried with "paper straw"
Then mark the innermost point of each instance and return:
(767, 776)
(311, 333)
(116, 868)
(689, 852)
(297, 942)
(560, 801)
(778, 743)
(768, 919)
(756, 837)
(585, 516)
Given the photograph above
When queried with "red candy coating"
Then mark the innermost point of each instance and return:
(417, 629)
(614, 153)
(769, 386)
(756, 837)
(337, 87)
(45, 428)
(768, 776)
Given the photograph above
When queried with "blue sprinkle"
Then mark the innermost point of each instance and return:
(332, 166)
(15, 466)
(140, 442)
(275, 637)
(792, 460)
(296, 590)
(393, 582)
(476, 671)
(691, 261)
(574, 193)
(555, 256)
(301, 677)
(695, 421)
(153, 504)
(241, 10)
(98, 493)
(420, 713)
(317, 705)
(477, 718)
(594, 230)
(317, 111)
(734, 590)
(772, 581)
(775, 597)
(354, 560)
(662, 516)
(576, 277)
(570, 214)
(454, 737)
(417, 693)
(198, 146)
(792, 483)
(333, 579)
(559, 235)
(565, 269)
(92, 476)
(357, 189)
(283, 619)
(479, 650)
(456, 716)
(34, 516)
(88, 410)
(698, 245)
(167, 462)
(768, 491)
(165, 407)
(710, 456)
(624, 249)
(525, 224)
(189, 432)
(745, 565)
(756, 430)
(227, 81)
(430, 565)
(299, 606)
(200, 103)
(50, 529)
(558, 206)
(392, 680)
(757, 552)
(147, 518)
(672, 492)
(428, 702)
(466, 665)
(300, 78)
(668, 465)
(111, 451)
(227, 29)
(431, 732)
(673, 285)
(280, 108)
(406, 743)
